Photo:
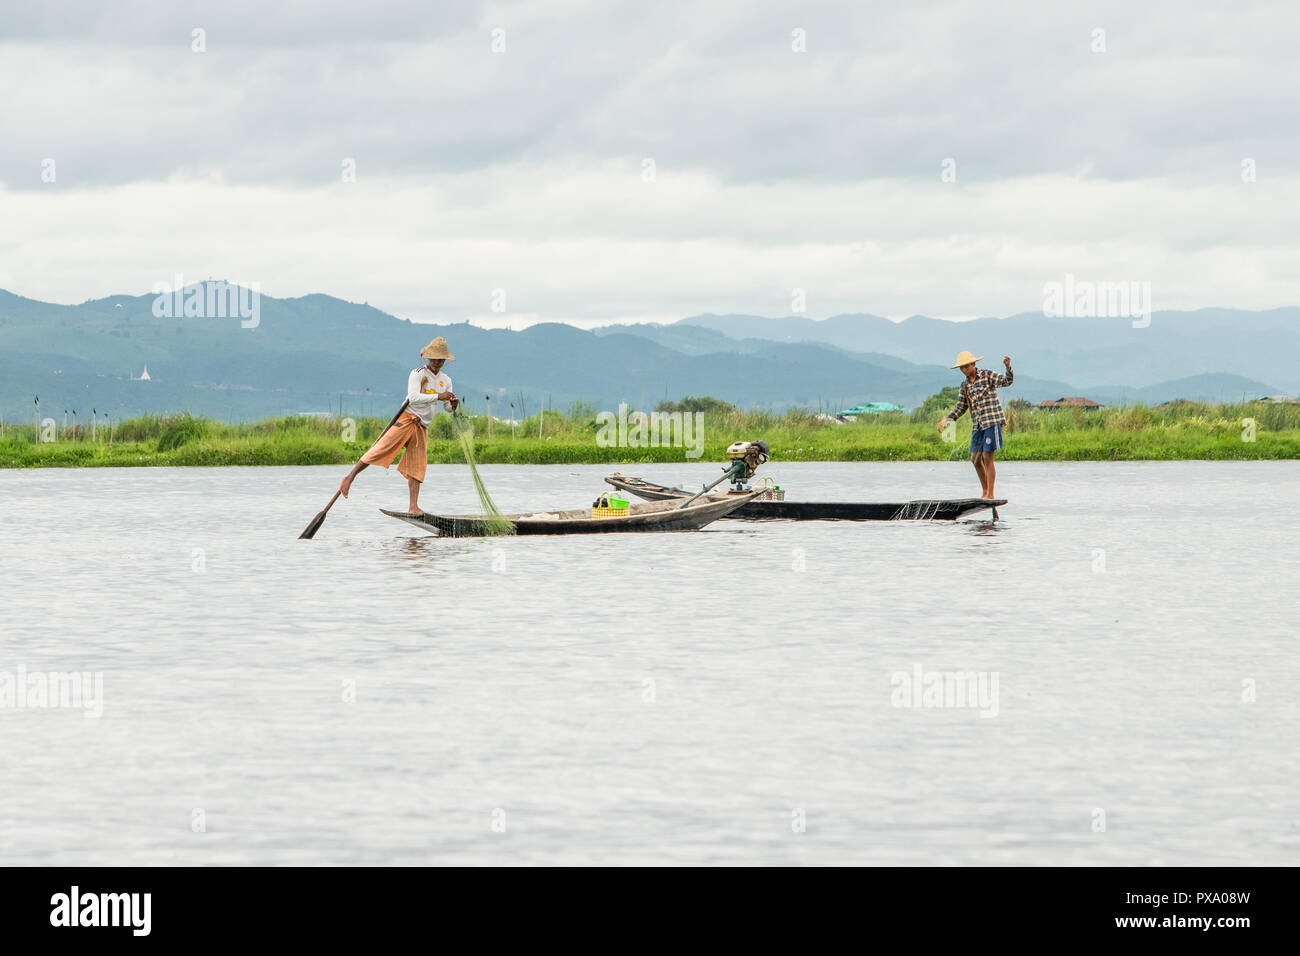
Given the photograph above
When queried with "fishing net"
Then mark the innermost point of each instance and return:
(917, 511)
(493, 523)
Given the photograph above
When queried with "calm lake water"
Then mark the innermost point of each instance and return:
(735, 695)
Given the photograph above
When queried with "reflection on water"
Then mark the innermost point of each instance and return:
(984, 527)
(376, 695)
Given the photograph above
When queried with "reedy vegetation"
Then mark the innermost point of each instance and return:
(1178, 430)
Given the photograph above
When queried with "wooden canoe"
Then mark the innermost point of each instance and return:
(925, 509)
(663, 515)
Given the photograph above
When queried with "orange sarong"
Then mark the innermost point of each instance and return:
(408, 433)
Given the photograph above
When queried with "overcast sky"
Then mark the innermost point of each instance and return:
(525, 170)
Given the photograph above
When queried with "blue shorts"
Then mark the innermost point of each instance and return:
(986, 439)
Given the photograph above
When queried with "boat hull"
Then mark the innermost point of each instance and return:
(651, 517)
(925, 509)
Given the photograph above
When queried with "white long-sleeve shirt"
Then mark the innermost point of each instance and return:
(422, 389)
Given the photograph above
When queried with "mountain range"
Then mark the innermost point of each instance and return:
(318, 353)
(1093, 351)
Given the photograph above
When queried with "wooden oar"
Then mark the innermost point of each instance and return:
(319, 520)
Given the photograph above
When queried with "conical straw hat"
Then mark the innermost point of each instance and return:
(437, 349)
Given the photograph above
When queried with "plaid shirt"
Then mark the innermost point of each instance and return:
(981, 397)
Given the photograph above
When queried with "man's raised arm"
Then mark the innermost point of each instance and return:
(1004, 380)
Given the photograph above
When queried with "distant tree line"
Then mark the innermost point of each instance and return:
(705, 403)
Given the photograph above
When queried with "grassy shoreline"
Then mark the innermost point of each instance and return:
(1178, 431)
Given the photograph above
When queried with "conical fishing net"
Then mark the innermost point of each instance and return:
(493, 522)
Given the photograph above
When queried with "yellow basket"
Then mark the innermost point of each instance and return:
(609, 512)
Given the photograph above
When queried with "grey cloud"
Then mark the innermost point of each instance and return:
(247, 23)
(284, 93)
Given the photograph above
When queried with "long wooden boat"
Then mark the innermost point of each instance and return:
(663, 515)
(926, 509)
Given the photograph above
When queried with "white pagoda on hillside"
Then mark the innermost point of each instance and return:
(144, 376)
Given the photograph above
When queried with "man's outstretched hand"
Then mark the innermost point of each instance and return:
(1006, 360)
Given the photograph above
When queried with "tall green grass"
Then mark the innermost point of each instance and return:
(1179, 430)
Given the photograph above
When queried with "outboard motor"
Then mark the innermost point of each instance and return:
(745, 457)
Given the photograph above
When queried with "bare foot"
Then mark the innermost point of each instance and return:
(415, 512)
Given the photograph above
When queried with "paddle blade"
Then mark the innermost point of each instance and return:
(312, 528)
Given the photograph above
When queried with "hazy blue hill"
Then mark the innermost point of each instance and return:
(1257, 345)
(308, 351)
(698, 340)
(805, 375)
(1202, 388)
(689, 339)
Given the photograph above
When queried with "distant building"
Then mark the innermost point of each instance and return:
(144, 376)
(1281, 400)
(870, 408)
(1074, 401)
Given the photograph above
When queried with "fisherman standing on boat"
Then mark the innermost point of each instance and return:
(979, 394)
(425, 388)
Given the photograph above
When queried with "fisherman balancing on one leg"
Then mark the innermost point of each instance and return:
(425, 388)
(979, 393)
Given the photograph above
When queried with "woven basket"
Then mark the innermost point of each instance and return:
(609, 512)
